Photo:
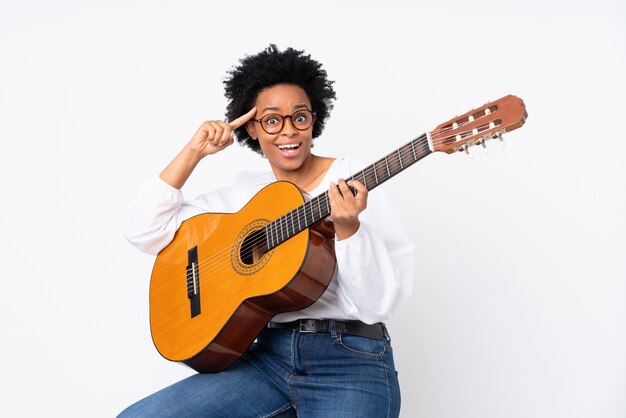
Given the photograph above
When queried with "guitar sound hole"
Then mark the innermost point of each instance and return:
(253, 247)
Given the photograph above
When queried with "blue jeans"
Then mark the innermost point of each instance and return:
(286, 373)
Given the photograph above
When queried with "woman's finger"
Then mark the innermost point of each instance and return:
(225, 137)
(218, 130)
(243, 118)
(361, 191)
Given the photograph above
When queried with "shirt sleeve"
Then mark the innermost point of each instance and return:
(159, 209)
(152, 216)
(375, 265)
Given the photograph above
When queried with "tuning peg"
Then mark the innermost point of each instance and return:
(501, 139)
(467, 153)
(482, 142)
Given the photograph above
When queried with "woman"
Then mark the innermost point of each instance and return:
(278, 103)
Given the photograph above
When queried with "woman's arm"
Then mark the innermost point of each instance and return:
(374, 252)
(375, 265)
(211, 137)
(159, 209)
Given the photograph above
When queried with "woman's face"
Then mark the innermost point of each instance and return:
(290, 148)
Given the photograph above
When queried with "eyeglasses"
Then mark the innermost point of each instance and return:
(273, 123)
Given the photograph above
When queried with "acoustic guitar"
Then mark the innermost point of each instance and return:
(225, 275)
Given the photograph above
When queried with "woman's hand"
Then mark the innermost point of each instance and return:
(214, 135)
(345, 207)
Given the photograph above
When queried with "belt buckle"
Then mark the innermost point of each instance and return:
(302, 324)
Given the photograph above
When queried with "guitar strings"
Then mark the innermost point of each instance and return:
(210, 262)
(283, 229)
(490, 117)
(436, 137)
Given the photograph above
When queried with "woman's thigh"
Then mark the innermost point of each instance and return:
(239, 391)
(345, 376)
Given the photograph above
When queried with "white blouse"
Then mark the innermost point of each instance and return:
(374, 266)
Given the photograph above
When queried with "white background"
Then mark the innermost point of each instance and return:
(519, 305)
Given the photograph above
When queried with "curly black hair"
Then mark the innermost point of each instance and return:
(268, 68)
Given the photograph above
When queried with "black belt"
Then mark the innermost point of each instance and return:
(375, 331)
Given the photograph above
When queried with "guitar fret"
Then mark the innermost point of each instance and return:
(289, 222)
(359, 177)
(327, 203)
(319, 207)
(298, 216)
(274, 233)
(400, 159)
(286, 226)
(387, 166)
(413, 148)
(276, 226)
(371, 177)
(375, 175)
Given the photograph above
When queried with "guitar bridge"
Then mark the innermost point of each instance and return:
(193, 281)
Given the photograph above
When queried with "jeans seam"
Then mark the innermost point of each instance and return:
(292, 391)
(293, 350)
(262, 371)
(361, 354)
(294, 346)
(305, 362)
(388, 387)
(279, 410)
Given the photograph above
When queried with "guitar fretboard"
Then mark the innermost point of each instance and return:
(318, 208)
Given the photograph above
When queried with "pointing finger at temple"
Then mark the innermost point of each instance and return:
(243, 118)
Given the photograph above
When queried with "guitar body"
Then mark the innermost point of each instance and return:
(206, 314)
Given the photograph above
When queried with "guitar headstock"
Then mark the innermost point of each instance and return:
(479, 125)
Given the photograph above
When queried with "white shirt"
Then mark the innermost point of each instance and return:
(374, 266)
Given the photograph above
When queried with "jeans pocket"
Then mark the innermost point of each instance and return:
(363, 346)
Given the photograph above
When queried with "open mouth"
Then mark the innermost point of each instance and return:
(288, 148)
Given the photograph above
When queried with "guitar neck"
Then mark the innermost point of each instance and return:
(372, 176)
